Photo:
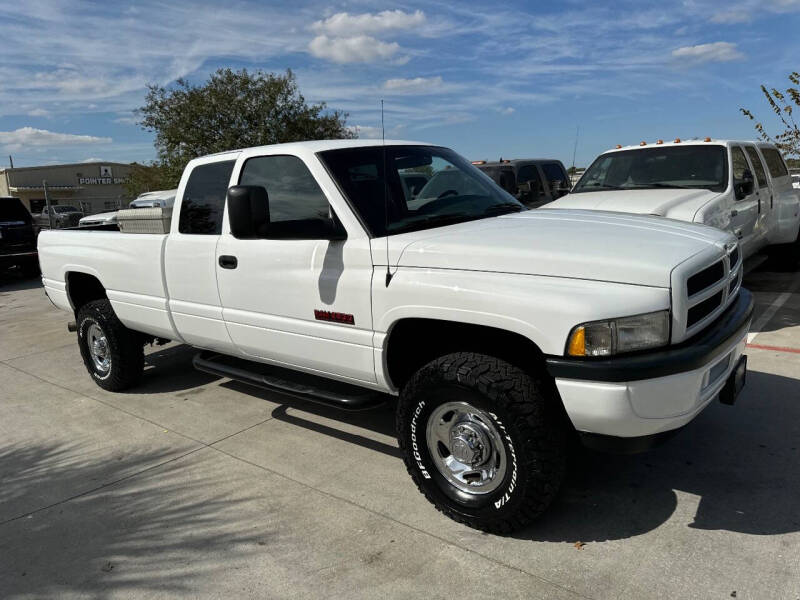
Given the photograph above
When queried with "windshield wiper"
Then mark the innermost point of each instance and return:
(503, 208)
(660, 186)
(421, 223)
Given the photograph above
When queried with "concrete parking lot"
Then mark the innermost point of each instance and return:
(196, 486)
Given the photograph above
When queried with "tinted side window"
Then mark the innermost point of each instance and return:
(739, 163)
(297, 205)
(204, 198)
(758, 166)
(775, 163)
(528, 173)
(554, 172)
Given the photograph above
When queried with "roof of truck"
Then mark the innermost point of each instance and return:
(680, 142)
(321, 145)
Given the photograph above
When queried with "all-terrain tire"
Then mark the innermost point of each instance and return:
(522, 410)
(123, 349)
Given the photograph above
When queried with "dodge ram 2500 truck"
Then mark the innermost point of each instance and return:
(501, 333)
(741, 187)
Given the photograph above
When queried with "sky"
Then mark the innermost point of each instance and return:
(511, 79)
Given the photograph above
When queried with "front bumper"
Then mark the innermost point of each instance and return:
(651, 393)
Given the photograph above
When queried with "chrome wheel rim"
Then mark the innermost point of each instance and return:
(98, 348)
(466, 447)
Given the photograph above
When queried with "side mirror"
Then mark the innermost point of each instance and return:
(248, 210)
(744, 187)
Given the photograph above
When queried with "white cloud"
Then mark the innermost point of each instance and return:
(361, 48)
(127, 120)
(417, 85)
(92, 160)
(714, 52)
(729, 17)
(346, 25)
(374, 133)
(508, 110)
(29, 137)
(38, 112)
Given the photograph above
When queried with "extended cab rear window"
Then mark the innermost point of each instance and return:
(775, 164)
(204, 198)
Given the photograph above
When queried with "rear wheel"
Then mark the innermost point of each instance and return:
(482, 441)
(112, 353)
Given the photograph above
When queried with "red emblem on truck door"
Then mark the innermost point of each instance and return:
(335, 317)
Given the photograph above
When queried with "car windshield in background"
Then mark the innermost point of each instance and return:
(691, 166)
(424, 187)
(65, 209)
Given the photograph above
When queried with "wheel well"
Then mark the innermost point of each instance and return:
(415, 342)
(83, 288)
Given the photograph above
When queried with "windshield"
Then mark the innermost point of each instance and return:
(691, 166)
(454, 191)
(65, 209)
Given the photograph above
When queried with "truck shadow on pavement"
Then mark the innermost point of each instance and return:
(74, 520)
(734, 468)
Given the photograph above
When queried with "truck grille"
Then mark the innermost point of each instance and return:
(710, 290)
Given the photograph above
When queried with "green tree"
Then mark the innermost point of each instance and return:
(233, 109)
(783, 105)
(149, 178)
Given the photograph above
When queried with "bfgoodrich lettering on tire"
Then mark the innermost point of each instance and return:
(112, 353)
(482, 441)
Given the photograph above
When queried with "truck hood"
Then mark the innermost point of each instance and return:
(576, 244)
(673, 203)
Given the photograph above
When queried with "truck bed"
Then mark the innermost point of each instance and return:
(130, 268)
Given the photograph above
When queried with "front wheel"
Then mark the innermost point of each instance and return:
(112, 353)
(482, 440)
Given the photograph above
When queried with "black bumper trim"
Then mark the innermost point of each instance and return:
(691, 354)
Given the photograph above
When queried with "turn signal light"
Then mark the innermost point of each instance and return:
(577, 343)
(708, 139)
(643, 143)
(677, 140)
(618, 146)
(660, 142)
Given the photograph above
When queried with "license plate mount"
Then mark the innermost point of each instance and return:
(736, 380)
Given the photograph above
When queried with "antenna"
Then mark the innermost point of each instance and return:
(575, 149)
(385, 198)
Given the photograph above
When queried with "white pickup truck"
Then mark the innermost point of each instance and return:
(741, 187)
(501, 333)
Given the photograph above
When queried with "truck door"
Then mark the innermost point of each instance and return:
(190, 256)
(744, 210)
(766, 201)
(293, 296)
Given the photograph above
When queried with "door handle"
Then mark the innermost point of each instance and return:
(734, 212)
(228, 262)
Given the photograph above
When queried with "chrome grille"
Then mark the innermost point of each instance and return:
(707, 290)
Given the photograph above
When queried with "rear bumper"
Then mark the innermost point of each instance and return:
(653, 393)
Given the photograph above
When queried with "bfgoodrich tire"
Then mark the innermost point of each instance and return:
(112, 353)
(482, 440)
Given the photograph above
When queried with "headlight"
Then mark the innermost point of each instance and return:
(615, 336)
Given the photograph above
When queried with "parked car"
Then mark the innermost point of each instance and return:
(532, 181)
(500, 333)
(17, 236)
(99, 219)
(63, 216)
(741, 187)
(155, 199)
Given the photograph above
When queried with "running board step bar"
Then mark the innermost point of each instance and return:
(300, 385)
